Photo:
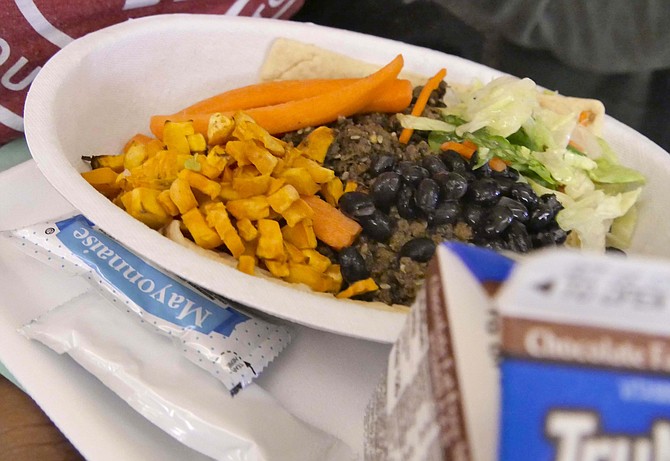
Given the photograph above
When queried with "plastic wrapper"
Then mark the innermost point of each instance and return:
(121, 348)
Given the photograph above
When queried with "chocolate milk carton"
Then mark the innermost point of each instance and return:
(585, 370)
(439, 398)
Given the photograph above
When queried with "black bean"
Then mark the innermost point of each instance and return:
(524, 194)
(382, 163)
(420, 249)
(540, 217)
(405, 204)
(411, 173)
(427, 195)
(519, 211)
(454, 161)
(474, 215)
(352, 265)
(385, 189)
(518, 239)
(452, 185)
(356, 204)
(446, 212)
(553, 235)
(484, 191)
(377, 226)
(497, 219)
(551, 201)
(433, 164)
(505, 185)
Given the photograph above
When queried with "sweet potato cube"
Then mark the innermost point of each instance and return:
(334, 275)
(350, 186)
(165, 200)
(247, 129)
(301, 235)
(316, 260)
(332, 191)
(301, 180)
(196, 142)
(217, 217)
(135, 155)
(104, 180)
(182, 195)
(253, 208)
(302, 273)
(219, 129)
(174, 136)
(238, 150)
(270, 240)
(200, 182)
(357, 288)
(246, 229)
(262, 158)
(298, 211)
(293, 253)
(277, 268)
(246, 264)
(228, 192)
(248, 186)
(319, 173)
(142, 204)
(154, 146)
(203, 235)
(281, 200)
(115, 162)
(316, 144)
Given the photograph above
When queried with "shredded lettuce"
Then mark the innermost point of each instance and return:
(502, 106)
(424, 123)
(552, 152)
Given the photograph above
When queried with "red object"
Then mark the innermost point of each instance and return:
(31, 31)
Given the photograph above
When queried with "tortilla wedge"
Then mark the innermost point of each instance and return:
(294, 60)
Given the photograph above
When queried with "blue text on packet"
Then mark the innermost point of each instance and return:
(151, 289)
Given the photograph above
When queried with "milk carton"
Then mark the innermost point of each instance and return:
(585, 371)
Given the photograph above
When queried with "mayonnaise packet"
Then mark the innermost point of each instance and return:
(213, 333)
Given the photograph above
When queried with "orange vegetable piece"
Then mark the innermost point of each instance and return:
(466, 148)
(275, 92)
(420, 104)
(331, 226)
(497, 164)
(301, 113)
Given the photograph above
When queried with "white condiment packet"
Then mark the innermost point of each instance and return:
(151, 375)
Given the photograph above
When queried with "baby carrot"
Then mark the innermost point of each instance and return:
(312, 111)
(420, 104)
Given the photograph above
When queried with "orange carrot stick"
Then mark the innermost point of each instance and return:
(393, 97)
(313, 111)
(331, 226)
(276, 92)
(497, 164)
(466, 148)
(421, 101)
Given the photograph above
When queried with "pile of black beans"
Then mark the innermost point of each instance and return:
(501, 212)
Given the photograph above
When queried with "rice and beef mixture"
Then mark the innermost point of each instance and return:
(409, 199)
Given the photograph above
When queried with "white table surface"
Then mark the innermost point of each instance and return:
(322, 378)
